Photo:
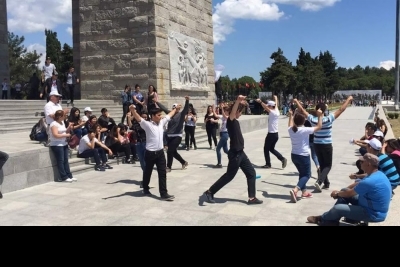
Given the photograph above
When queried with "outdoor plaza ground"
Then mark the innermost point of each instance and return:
(114, 198)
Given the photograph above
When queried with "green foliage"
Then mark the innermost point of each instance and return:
(22, 63)
(67, 60)
(391, 115)
(53, 48)
(396, 115)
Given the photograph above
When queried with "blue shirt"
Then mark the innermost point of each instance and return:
(386, 165)
(374, 194)
(323, 136)
(139, 96)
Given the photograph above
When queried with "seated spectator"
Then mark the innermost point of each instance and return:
(392, 149)
(363, 144)
(58, 144)
(87, 113)
(382, 127)
(369, 199)
(89, 147)
(78, 126)
(386, 164)
(39, 131)
(106, 122)
(91, 122)
(125, 139)
(114, 142)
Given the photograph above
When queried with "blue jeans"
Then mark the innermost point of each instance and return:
(223, 143)
(303, 165)
(141, 150)
(61, 153)
(343, 209)
(80, 132)
(314, 155)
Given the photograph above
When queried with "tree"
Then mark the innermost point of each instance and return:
(66, 60)
(53, 48)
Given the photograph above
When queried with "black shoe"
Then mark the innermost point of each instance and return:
(218, 166)
(255, 201)
(147, 194)
(1, 195)
(266, 167)
(128, 161)
(167, 197)
(209, 197)
(141, 184)
(107, 167)
(326, 187)
(284, 163)
(99, 168)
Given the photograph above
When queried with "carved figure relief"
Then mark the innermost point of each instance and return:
(188, 62)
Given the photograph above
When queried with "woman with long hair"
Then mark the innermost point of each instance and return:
(114, 141)
(152, 98)
(190, 126)
(211, 121)
(300, 138)
(224, 136)
(77, 126)
(382, 127)
(58, 144)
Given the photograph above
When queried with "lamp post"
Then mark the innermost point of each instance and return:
(396, 87)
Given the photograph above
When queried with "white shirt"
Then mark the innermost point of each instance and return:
(61, 130)
(190, 122)
(18, 87)
(50, 109)
(54, 86)
(154, 133)
(83, 144)
(84, 118)
(48, 70)
(4, 86)
(273, 122)
(301, 140)
(223, 124)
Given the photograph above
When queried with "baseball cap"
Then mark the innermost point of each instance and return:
(271, 103)
(370, 158)
(375, 144)
(378, 134)
(174, 105)
(55, 93)
(88, 109)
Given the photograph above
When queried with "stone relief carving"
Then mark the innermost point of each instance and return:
(188, 61)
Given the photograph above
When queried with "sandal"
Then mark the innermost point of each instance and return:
(307, 195)
(293, 196)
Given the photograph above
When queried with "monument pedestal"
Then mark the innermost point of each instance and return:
(167, 44)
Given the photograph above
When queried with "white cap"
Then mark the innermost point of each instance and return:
(174, 105)
(88, 109)
(55, 93)
(375, 144)
(378, 134)
(271, 104)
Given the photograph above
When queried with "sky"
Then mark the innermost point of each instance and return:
(247, 32)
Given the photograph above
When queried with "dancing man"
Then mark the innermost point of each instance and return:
(154, 154)
(237, 157)
(273, 132)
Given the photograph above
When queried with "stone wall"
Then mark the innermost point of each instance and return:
(4, 58)
(126, 42)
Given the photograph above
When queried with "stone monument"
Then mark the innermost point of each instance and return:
(168, 44)
(4, 58)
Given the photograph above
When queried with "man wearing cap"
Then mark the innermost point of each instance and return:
(50, 110)
(88, 112)
(52, 84)
(386, 164)
(273, 134)
(369, 199)
(174, 133)
(363, 143)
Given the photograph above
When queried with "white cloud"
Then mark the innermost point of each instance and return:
(37, 15)
(226, 13)
(388, 64)
(40, 49)
(69, 30)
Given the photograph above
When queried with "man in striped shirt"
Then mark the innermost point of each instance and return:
(323, 140)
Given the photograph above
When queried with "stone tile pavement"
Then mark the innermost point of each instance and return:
(114, 198)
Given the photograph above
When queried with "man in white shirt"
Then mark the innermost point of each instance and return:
(18, 87)
(50, 109)
(88, 112)
(4, 88)
(154, 150)
(48, 70)
(272, 138)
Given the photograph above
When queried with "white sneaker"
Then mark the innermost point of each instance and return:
(317, 187)
(74, 180)
(68, 181)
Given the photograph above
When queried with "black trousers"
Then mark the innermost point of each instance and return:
(71, 92)
(155, 158)
(189, 135)
(269, 146)
(3, 159)
(172, 152)
(237, 160)
(4, 95)
(325, 156)
(211, 130)
(125, 109)
(118, 148)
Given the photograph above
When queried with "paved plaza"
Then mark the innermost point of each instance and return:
(114, 198)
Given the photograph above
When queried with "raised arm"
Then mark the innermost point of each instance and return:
(265, 107)
(276, 101)
(300, 107)
(185, 109)
(232, 115)
(320, 116)
(223, 112)
(163, 108)
(343, 107)
(136, 116)
(172, 113)
(290, 123)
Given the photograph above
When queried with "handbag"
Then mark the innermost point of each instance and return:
(73, 142)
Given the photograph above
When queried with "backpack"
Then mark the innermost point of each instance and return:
(33, 133)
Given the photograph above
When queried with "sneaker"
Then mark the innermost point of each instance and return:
(218, 166)
(209, 197)
(284, 163)
(325, 187)
(141, 184)
(168, 170)
(293, 196)
(187, 149)
(254, 201)
(99, 168)
(69, 102)
(1, 195)
(314, 219)
(167, 197)
(318, 187)
(107, 167)
(307, 196)
(195, 147)
(185, 165)
(68, 180)
(147, 194)
(266, 167)
(74, 180)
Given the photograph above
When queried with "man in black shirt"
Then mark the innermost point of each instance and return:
(237, 157)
